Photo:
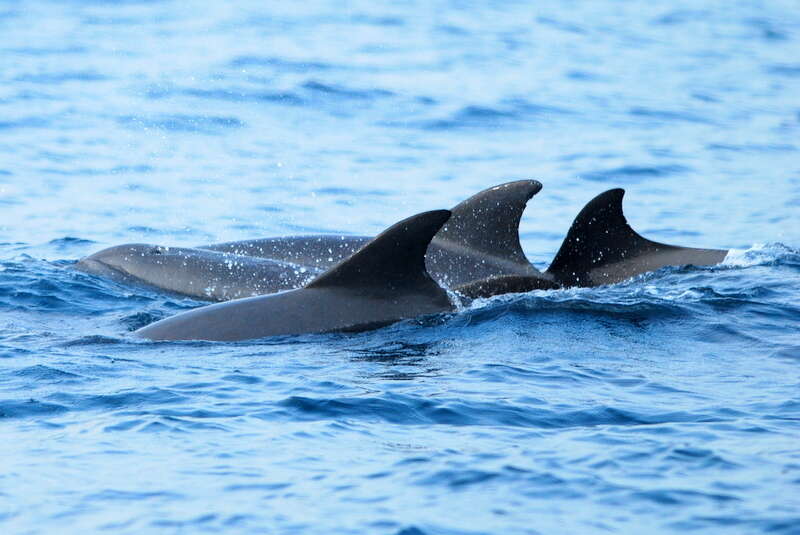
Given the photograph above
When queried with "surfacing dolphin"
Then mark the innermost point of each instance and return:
(477, 254)
(600, 248)
(480, 240)
(384, 282)
(197, 273)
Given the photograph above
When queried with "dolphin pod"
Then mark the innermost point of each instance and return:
(473, 251)
(384, 282)
(480, 240)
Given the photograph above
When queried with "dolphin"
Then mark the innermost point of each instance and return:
(476, 254)
(480, 240)
(384, 282)
(195, 273)
(600, 248)
(387, 280)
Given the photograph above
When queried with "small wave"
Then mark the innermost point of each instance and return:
(785, 69)
(202, 124)
(241, 95)
(345, 92)
(61, 77)
(93, 340)
(150, 397)
(282, 64)
(408, 410)
(69, 241)
(508, 113)
(32, 407)
(752, 147)
(40, 372)
(647, 304)
(762, 254)
(631, 174)
(25, 122)
(668, 115)
(311, 92)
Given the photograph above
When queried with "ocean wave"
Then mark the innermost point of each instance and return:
(763, 254)
(509, 113)
(666, 403)
(182, 123)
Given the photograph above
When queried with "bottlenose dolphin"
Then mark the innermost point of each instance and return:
(196, 273)
(384, 282)
(600, 248)
(480, 240)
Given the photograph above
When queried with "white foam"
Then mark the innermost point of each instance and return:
(758, 254)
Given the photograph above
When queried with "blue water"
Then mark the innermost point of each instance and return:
(666, 404)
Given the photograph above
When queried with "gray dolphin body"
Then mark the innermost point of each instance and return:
(196, 273)
(384, 282)
(480, 240)
(477, 254)
(600, 248)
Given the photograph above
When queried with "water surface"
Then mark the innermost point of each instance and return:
(665, 404)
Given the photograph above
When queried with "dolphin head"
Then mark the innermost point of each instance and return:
(130, 261)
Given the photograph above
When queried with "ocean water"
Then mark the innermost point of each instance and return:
(666, 404)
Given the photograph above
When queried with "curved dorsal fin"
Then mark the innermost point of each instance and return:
(394, 258)
(481, 238)
(601, 248)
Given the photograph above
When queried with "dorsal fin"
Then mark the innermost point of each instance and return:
(601, 248)
(393, 259)
(481, 238)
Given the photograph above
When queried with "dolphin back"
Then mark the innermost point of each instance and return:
(481, 238)
(384, 282)
(601, 248)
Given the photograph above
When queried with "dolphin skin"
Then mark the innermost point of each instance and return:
(480, 240)
(196, 273)
(600, 248)
(476, 254)
(384, 282)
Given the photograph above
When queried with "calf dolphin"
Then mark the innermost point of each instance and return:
(384, 282)
(480, 240)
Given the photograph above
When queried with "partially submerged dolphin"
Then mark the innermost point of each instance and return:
(600, 248)
(384, 282)
(196, 273)
(387, 280)
(477, 254)
(480, 240)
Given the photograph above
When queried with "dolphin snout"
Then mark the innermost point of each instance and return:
(109, 262)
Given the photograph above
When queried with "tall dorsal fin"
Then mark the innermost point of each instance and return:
(481, 238)
(393, 259)
(601, 248)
